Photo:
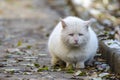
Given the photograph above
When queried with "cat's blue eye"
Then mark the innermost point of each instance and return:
(71, 34)
(80, 34)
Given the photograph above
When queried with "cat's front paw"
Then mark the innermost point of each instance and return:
(68, 65)
(80, 65)
(90, 62)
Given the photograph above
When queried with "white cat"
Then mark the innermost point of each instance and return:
(73, 41)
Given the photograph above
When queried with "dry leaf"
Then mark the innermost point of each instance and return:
(19, 43)
(77, 73)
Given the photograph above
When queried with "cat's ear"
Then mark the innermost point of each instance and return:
(89, 22)
(63, 23)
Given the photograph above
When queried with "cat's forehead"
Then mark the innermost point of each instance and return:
(75, 25)
(74, 29)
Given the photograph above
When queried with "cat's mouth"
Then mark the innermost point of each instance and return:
(76, 45)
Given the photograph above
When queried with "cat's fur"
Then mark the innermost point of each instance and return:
(72, 41)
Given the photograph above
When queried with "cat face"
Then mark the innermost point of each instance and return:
(74, 34)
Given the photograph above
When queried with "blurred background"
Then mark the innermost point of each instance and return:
(44, 12)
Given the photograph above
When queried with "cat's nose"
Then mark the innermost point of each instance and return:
(76, 41)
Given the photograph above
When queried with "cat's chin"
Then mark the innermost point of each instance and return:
(76, 45)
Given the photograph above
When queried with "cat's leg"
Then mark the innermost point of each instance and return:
(54, 60)
(69, 65)
(90, 61)
(80, 65)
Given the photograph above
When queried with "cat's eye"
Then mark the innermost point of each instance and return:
(80, 34)
(71, 34)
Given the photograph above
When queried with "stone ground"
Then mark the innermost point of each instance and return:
(24, 29)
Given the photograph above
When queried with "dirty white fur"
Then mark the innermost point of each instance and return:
(62, 45)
